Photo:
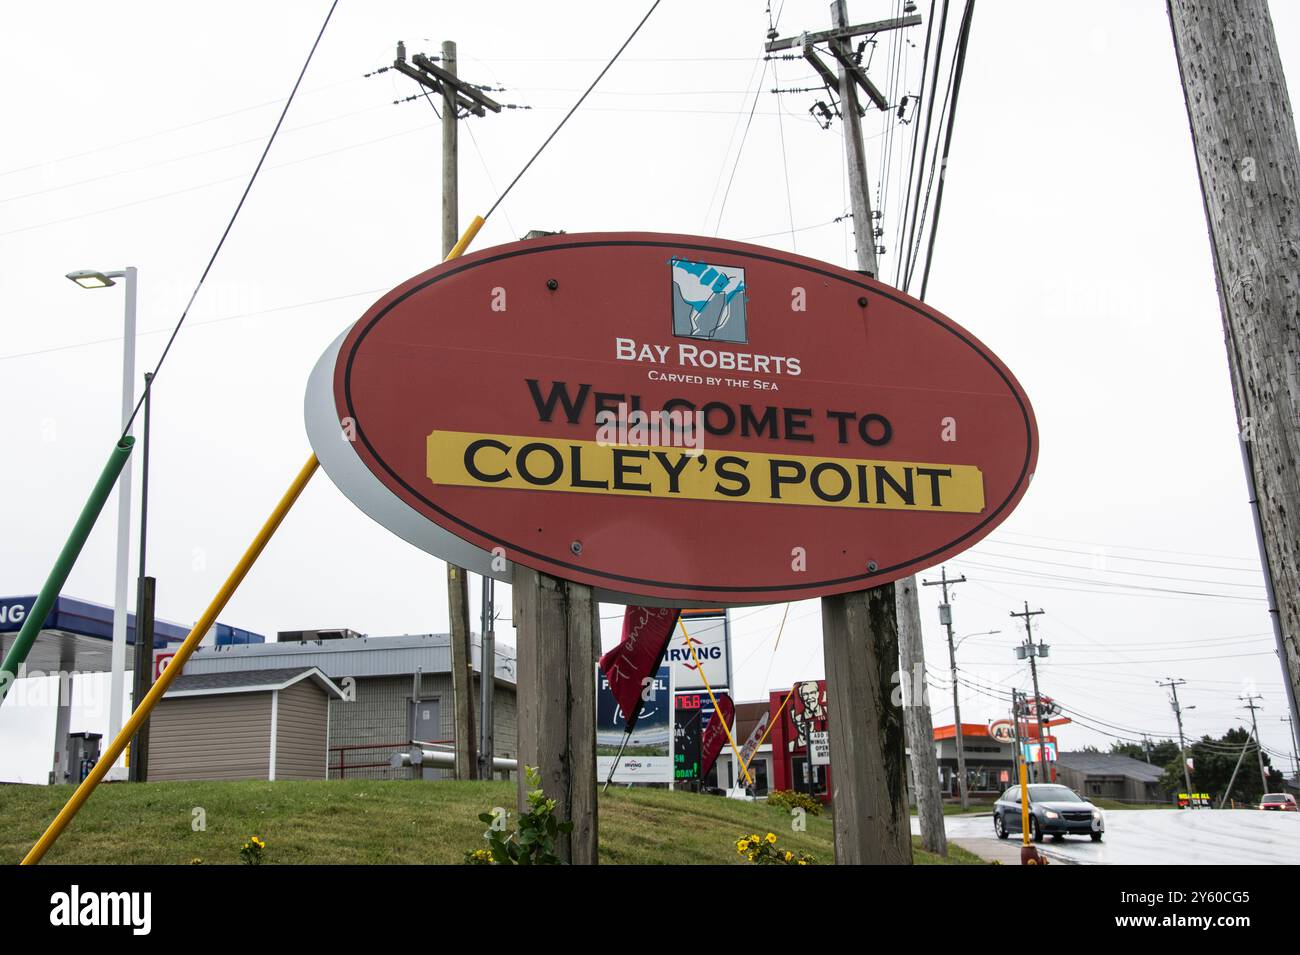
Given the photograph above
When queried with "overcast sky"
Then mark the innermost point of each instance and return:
(1073, 243)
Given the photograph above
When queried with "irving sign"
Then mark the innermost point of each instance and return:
(672, 420)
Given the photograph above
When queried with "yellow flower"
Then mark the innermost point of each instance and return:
(802, 862)
(788, 855)
(259, 843)
(771, 838)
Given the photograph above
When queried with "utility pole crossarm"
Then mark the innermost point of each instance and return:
(431, 83)
(465, 89)
(818, 64)
(842, 33)
(851, 66)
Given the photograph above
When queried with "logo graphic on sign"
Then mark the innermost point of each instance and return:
(808, 712)
(708, 301)
(1002, 731)
(161, 661)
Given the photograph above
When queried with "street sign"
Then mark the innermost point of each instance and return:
(674, 418)
(821, 748)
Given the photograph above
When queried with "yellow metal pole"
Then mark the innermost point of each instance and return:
(763, 739)
(169, 674)
(204, 624)
(690, 646)
(463, 242)
(1024, 802)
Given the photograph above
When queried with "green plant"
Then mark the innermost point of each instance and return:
(765, 851)
(787, 799)
(252, 851)
(532, 842)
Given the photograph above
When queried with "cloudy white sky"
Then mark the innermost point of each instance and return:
(1073, 243)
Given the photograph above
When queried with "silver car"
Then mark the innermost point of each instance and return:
(1054, 810)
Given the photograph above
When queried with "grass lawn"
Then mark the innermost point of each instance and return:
(356, 821)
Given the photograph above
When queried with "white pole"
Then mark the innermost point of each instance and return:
(116, 686)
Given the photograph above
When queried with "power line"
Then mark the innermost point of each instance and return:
(1100, 551)
(1127, 573)
(1152, 550)
(736, 165)
(205, 185)
(165, 132)
(229, 225)
(184, 156)
(963, 37)
(573, 110)
(211, 321)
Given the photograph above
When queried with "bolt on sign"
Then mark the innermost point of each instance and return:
(671, 419)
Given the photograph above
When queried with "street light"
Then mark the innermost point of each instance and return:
(91, 278)
(984, 633)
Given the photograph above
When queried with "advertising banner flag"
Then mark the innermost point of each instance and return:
(715, 734)
(627, 667)
(755, 737)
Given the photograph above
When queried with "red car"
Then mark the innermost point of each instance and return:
(1283, 802)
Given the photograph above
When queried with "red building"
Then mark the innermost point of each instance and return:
(804, 710)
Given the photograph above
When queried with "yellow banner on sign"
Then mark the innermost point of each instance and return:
(464, 459)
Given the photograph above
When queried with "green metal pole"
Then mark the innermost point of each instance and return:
(63, 565)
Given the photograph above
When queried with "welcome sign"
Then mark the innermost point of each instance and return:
(671, 419)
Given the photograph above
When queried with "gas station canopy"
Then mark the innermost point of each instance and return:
(78, 635)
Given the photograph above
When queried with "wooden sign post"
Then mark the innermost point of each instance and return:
(557, 626)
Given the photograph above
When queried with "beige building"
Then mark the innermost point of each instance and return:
(251, 724)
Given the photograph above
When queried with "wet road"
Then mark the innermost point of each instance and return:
(1165, 837)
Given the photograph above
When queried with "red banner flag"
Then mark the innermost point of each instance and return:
(715, 734)
(646, 632)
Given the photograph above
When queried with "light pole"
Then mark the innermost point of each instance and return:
(89, 278)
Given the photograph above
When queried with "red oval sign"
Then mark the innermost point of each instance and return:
(671, 417)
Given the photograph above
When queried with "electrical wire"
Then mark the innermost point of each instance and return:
(911, 161)
(785, 163)
(925, 144)
(571, 111)
(45, 163)
(229, 225)
(962, 41)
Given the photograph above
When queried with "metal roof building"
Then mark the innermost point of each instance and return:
(395, 690)
(251, 724)
(1112, 776)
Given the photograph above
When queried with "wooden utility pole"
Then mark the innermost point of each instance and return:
(1244, 136)
(462, 676)
(945, 617)
(450, 154)
(1249, 702)
(1173, 686)
(457, 95)
(1034, 652)
(860, 631)
(557, 625)
(917, 723)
